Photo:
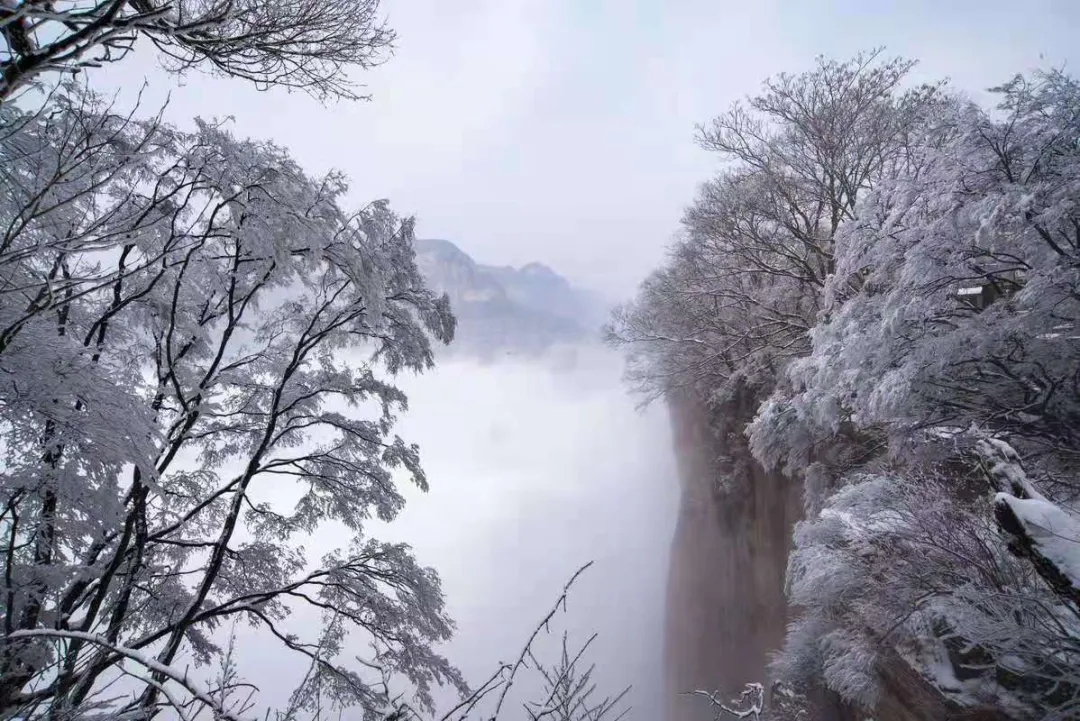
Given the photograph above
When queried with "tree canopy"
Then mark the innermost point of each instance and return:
(302, 44)
(891, 273)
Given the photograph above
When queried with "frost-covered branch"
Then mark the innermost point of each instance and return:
(526, 651)
(184, 315)
(743, 287)
(570, 690)
(159, 670)
(749, 705)
(303, 44)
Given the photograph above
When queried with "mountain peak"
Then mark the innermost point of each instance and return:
(443, 248)
(504, 309)
(538, 269)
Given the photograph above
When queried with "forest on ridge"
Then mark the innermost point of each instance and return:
(888, 276)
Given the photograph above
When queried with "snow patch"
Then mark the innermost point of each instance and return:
(1055, 532)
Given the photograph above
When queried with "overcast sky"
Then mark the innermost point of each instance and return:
(562, 130)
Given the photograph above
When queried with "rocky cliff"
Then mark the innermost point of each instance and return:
(727, 611)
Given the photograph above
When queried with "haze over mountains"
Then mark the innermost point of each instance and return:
(503, 310)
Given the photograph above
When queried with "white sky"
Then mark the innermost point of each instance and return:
(561, 130)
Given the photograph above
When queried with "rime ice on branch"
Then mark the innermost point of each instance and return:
(196, 346)
(302, 44)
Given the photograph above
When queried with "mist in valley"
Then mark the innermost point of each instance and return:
(536, 467)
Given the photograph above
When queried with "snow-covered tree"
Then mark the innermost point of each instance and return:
(742, 288)
(957, 294)
(196, 346)
(882, 568)
(894, 274)
(304, 44)
(948, 334)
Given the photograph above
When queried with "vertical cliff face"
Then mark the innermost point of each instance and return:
(726, 608)
(727, 611)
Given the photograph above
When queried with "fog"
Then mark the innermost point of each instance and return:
(536, 467)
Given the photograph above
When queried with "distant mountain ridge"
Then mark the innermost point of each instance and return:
(501, 309)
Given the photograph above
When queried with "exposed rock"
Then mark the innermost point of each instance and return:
(727, 611)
